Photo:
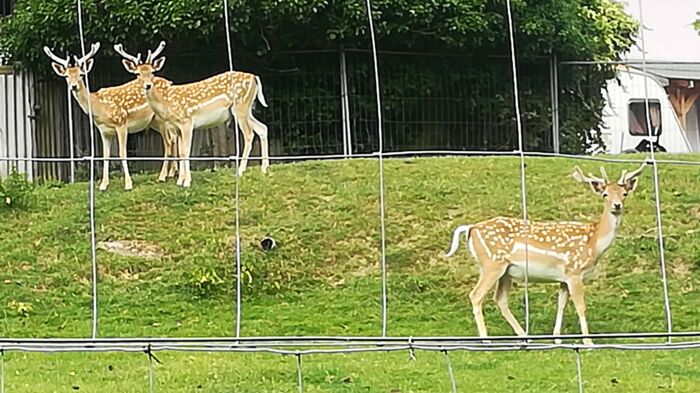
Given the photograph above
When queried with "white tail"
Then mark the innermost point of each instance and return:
(261, 97)
(455, 238)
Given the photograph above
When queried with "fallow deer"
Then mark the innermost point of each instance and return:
(203, 104)
(118, 110)
(564, 252)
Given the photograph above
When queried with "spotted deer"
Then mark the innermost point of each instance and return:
(563, 252)
(207, 103)
(118, 110)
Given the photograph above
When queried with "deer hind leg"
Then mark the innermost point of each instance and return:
(166, 153)
(490, 273)
(501, 298)
(261, 129)
(561, 304)
(121, 138)
(185, 175)
(576, 292)
(174, 151)
(243, 121)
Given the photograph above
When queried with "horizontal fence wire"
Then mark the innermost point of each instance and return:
(345, 349)
(407, 153)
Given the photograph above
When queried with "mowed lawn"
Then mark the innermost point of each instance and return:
(324, 278)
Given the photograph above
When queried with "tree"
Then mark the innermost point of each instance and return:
(571, 29)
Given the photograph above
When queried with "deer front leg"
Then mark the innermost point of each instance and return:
(576, 292)
(561, 304)
(106, 148)
(121, 138)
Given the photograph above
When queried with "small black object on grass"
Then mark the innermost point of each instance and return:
(268, 243)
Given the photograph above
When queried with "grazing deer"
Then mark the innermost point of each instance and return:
(207, 103)
(557, 252)
(118, 110)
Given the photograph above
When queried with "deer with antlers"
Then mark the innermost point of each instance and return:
(118, 110)
(203, 104)
(564, 252)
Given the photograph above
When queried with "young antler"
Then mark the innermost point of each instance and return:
(64, 62)
(93, 50)
(625, 177)
(120, 50)
(578, 175)
(152, 56)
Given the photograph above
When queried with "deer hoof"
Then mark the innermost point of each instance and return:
(557, 341)
(103, 186)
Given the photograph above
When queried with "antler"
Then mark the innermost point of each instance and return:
(120, 50)
(93, 50)
(578, 175)
(63, 62)
(152, 56)
(605, 174)
(628, 176)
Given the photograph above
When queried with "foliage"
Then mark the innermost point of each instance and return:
(16, 191)
(581, 29)
(571, 29)
(696, 24)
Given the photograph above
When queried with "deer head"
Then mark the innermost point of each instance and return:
(145, 69)
(73, 70)
(614, 193)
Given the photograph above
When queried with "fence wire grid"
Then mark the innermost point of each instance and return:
(301, 346)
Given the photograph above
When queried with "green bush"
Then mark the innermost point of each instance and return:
(16, 191)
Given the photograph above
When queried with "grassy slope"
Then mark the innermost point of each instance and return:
(324, 279)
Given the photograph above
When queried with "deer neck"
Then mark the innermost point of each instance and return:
(156, 99)
(605, 231)
(86, 101)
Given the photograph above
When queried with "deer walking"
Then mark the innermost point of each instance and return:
(563, 252)
(207, 103)
(118, 110)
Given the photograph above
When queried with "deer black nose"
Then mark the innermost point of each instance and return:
(617, 206)
(147, 86)
(74, 87)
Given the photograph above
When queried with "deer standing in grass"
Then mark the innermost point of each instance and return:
(207, 103)
(564, 252)
(118, 110)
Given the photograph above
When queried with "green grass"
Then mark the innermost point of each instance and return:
(324, 279)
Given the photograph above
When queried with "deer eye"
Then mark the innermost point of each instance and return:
(624, 193)
(605, 195)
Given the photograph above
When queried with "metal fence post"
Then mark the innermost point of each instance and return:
(345, 105)
(554, 85)
(554, 89)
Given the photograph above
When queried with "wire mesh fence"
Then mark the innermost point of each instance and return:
(336, 116)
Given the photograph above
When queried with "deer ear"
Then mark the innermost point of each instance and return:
(87, 66)
(129, 65)
(58, 69)
(158, 64)
(597, 187)
(631, 184)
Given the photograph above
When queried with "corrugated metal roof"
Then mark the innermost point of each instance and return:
(690, 71)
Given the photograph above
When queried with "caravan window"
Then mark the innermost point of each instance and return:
(6, 7)
(638, 117)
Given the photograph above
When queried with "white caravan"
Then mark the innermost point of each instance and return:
(624, 115)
